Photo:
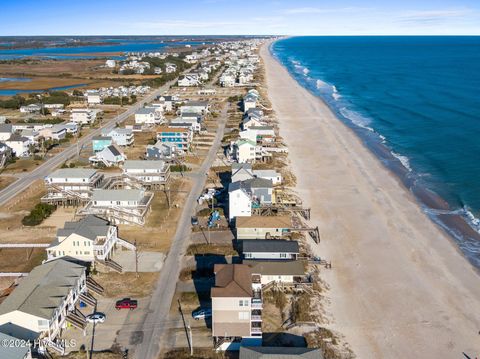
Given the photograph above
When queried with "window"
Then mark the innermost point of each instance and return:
(283, 255)
(243, 315)
(240, 303)
(42, 324)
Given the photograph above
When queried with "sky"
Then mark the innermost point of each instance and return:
(246, 17)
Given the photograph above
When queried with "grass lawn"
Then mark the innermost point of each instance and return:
(5, 181)
(217, 249)
(126, 284)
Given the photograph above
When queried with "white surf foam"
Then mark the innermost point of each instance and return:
(356, 118)
(335, 93)
(472, 220)
(403, 159)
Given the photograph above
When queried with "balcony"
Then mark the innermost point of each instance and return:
(257, 303)
(256, 330)
(256, 318)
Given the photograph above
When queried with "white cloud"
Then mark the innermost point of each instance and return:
(316, 10)
(433, 15)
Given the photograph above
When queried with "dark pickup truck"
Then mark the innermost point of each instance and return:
(126, 303)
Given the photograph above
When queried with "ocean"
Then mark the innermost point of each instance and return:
(414, 102)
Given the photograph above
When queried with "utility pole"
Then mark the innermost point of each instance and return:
(136, 258)
(190, 338)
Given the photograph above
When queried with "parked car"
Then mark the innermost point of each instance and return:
(194, 221)
(96, 318)
(126, 303)
(202, 314)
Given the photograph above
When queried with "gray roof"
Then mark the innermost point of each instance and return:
(44, 289)
(279, 353)
(265, 173)
(190, 114)
(72, 173)
(237, 166)
(249, 184)
(145, 111)
(269, 246)
(89, 227)
(101, 138)
(144, 164)
(276, 267)
(265, 128)
(6, 127)
(196, 103)
(118, 195)
(12, 352)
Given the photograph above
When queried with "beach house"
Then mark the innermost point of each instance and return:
(170, 68)
(90, 239)
(252, 121)
(249, 101)
(100, 142)
(71, 185)
(282, 272)
(120, 206)
(45, 301)
(151, 173)
(55, 132)
(263, 227)
(6, 130)
(32, 108)
(161, 151)
(147, 116)
(167, 102)
(109, 156)
(83, 116)
(239, 201)
(236, 307)
(269, 249)
(121, 136)
(244, 171)
(243, 151)
(93, 97)
(20, 145)
(180, 137)
(259, 192)
(189, 80)
(198, 107)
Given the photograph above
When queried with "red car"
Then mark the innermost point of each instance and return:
(126, 303)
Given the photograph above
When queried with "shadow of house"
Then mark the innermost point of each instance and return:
(204, 279)
(283, 340)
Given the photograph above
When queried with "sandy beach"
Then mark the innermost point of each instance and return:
(399, 288)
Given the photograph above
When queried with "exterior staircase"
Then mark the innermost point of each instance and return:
(112, 265)
(94, 286)
(77, 319)
(87, 298)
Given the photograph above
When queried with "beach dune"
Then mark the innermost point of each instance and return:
(399, 288)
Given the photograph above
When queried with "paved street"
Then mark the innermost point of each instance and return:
(49, 165)
(153, 332)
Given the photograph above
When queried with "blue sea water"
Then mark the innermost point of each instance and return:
(419, 96)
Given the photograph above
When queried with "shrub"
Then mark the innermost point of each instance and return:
(40, 212)
(179, 168)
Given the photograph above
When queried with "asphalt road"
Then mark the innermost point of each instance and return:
(49, 165)
(152, 329)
